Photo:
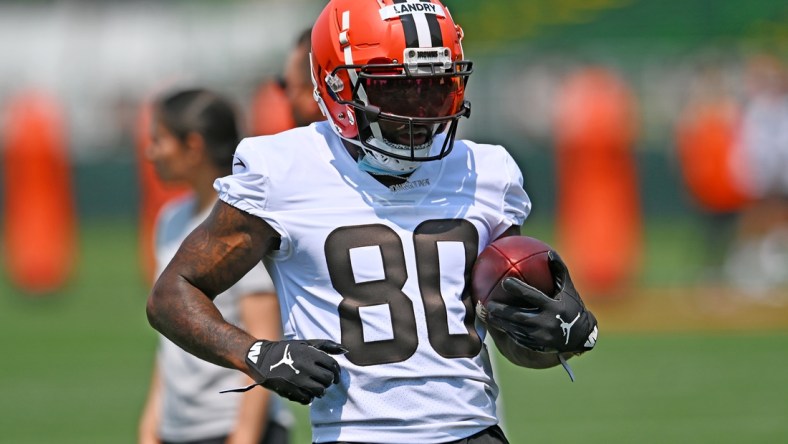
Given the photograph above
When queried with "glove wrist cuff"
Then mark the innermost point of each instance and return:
(255, 354)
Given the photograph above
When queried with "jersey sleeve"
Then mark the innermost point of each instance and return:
(516, 203)
(246, 188)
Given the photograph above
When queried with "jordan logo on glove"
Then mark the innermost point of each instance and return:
(567, 326)
(287, 360)
(317, 369)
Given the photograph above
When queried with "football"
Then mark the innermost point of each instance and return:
(522, 257)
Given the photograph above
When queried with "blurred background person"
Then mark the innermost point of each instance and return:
(713, 169)
(298, 82)
(194, 135)
(287, 101)
(758, 260)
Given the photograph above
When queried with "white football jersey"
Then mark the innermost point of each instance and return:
(383, 271)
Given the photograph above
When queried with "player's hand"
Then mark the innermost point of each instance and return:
(297, 370)
(559, 324)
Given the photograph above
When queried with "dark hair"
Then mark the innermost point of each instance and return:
(205, 113)
(304, 42)
(305, 38)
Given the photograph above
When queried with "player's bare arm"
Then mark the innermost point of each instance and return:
(213, 257)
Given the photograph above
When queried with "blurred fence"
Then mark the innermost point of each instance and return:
(101, 60)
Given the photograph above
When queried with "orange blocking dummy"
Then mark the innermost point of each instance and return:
(39, 214)
(599, 215)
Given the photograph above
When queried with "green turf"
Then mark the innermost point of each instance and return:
(75, 365)
(656, 389)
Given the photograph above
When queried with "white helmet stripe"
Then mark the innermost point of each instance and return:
(415, 16)
(349, 60)
(423, 30)
(345, 28)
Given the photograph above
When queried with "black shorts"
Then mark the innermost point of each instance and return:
(490, 435)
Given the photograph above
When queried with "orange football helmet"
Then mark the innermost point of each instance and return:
(389, 75)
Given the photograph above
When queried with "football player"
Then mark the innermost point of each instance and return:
(370, 223)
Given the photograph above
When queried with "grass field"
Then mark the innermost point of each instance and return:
(74, 366)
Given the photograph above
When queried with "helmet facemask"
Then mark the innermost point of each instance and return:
(400, 107)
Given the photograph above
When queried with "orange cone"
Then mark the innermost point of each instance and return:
(40, 218)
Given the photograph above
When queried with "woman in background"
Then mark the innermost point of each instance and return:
(194, 135)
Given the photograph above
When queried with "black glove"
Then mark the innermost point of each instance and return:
(297, 370)
(558, 324)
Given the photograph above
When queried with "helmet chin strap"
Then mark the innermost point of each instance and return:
(368, 163)
(378, 163)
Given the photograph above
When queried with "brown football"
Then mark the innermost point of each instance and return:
(522, 257)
